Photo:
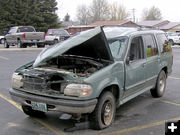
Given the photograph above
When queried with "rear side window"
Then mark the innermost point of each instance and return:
(163, 43)
(150, 45)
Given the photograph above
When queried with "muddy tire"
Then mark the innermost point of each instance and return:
(33, 113)
(104, 113)
(159, 89)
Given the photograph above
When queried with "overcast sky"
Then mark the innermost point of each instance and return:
(170, 9)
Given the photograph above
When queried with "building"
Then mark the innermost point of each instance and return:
(115, 23)
(153, 23)
(171, 27)
(76, 29)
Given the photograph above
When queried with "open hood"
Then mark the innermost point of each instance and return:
(91, 43)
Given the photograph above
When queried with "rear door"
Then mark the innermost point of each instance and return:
(152, 60)
(135, 68)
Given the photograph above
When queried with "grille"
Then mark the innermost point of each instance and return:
(33, 83)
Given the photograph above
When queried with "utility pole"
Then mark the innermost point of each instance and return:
(133, 13)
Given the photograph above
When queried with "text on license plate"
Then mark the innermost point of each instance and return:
(39, 106)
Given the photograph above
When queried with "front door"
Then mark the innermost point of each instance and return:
(135, 68)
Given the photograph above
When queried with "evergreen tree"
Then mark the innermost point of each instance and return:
(38, 13)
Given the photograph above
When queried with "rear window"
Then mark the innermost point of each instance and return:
(60, 32)
(163, 43)
(26, 29)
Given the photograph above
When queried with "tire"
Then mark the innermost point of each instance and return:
(159, 89)
(33, 113)
(2, 41)
(171, 42)
(104, 113)
(19, 44)
(6, 45)
(55, 41)
(40, 45)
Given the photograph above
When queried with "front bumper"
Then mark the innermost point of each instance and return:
(54, 104)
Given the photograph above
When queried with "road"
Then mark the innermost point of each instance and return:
(143, 115)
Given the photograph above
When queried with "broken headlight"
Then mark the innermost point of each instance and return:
(78, 90)
(16, 80)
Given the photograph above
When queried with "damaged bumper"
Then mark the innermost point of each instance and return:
(54, 104)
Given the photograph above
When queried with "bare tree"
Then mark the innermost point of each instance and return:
(83, 14)
(118, 12)
(99, 10)
(153, 13)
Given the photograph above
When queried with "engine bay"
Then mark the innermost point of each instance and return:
(82, 67)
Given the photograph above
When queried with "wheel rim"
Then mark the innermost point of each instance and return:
(108, 112)
(162, 83)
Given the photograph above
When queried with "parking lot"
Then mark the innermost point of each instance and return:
(143, 115)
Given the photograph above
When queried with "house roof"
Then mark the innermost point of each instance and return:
(68, 23)
(152, 23)
(109, 23)
(170, 25)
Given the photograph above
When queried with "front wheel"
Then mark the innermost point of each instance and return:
(104, 113)
(159, 89)
(33, 113)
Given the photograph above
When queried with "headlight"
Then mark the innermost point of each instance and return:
(77, 90)
(16, 80)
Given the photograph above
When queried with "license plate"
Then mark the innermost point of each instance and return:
(34, 40)
(39, 106)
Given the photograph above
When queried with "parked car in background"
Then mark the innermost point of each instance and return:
(24, 36)
(1, 39)
(174, 38)
(54, 36)
(93, 73)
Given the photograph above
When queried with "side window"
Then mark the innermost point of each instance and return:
(150, 45)
(163, 43)
(136, 51)
(12, 30)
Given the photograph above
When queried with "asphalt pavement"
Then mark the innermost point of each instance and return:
(143, 115)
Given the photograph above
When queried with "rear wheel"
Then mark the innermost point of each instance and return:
(19, 44)
(104, 113)
(6, 45)
(55, 41)
(159, 89)
(34, 113)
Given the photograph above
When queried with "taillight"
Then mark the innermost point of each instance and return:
(23, 36)
(44, 35)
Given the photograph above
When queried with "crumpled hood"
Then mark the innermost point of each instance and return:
(91, 43)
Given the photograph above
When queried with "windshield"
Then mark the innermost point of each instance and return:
(117, 46)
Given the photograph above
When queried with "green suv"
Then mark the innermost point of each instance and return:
(94, 72)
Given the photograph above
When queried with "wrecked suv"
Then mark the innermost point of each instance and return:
(94, 72)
